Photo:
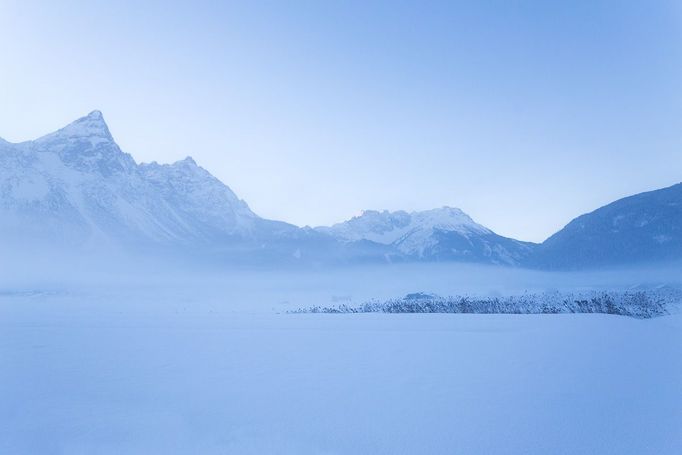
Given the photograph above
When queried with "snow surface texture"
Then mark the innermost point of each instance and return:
(211, 362)
(175, 369)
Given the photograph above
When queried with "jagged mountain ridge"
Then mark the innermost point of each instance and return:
(76, 184)
(77, 187)
(439, 234)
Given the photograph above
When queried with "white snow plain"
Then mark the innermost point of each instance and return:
(194, 367)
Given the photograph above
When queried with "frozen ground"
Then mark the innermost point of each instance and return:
(145, 371)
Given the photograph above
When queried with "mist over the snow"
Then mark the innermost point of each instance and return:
(340, 228)
(282, 287)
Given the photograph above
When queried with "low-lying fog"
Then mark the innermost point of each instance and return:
(285, 288)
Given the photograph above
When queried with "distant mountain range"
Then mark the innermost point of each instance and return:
(76, 189)
(445, 234)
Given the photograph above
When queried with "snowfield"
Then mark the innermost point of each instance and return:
(148, 371)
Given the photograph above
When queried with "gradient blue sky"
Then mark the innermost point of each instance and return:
(524, 114)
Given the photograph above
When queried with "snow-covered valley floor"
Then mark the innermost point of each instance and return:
(94, 378)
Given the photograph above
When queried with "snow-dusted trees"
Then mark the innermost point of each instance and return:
(639, 304)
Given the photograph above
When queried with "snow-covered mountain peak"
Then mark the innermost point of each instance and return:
(199, 193)
(188, 161)
(448, 212)
(76, 187)
(390, 227)
(376, 217)
(79, 185)
(186, 168)
(86, 145)
(92, 127)
(448, 219)
(443, 233)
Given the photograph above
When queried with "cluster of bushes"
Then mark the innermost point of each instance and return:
(638, 304)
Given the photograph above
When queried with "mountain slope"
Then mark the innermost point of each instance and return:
(646, 227)
(76, 189)
(439, 234)
(76, 186)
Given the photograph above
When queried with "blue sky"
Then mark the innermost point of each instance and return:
(523, 114)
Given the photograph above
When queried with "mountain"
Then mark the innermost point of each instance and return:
(76, 184)
(643, 228)
(439, 234)
(76, 188)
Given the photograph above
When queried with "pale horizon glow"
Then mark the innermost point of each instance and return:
(524, 116)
